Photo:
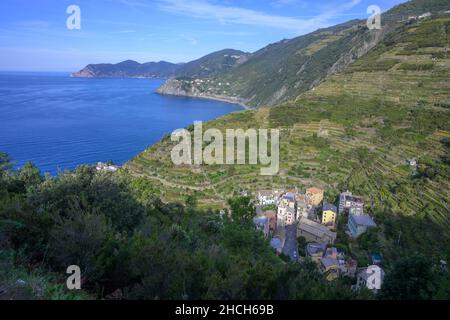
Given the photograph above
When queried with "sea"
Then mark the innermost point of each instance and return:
(58, 122)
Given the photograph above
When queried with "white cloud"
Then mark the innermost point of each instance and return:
(202, 9)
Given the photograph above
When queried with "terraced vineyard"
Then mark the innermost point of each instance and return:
(354, 131)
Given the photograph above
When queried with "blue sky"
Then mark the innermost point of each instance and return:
(34, 36)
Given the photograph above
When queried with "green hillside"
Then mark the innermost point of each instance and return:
(283, 70)
(354, 131)
(212, 64)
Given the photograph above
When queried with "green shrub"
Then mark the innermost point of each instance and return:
(416, 66)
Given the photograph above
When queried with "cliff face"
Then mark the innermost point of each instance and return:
(191, 88)
(361, 46)
(87, 72)
(174, 87)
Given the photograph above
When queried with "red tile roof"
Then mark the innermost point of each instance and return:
(314, 190)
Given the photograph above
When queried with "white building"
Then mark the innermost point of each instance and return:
(103, 167)
(351, 203)
(425, 15)
(266, 198)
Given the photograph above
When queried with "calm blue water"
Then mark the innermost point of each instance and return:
(58, 122)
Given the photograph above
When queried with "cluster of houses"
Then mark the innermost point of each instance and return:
(201, 82)
(420, 17)
(293, 214)
(427, 15)
(424, 16)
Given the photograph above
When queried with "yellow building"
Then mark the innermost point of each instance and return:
(329, 214)
(330, 268)
(315, 196)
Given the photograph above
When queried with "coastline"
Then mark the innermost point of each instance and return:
(163, 92)
(206, 97)
(73, 75)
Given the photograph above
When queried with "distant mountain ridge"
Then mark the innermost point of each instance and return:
(129, 69)
(210, 65)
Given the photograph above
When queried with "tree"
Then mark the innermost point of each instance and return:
(301, 245)
(303, 281)
(412, 278)
(30, 175)
(261, 283)
(242, 209)
(369, 241)
(446, 142)
(5, 162)
(191, 202)
(83, 190)
(79, 241)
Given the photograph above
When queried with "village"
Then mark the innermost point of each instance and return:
(285, 216)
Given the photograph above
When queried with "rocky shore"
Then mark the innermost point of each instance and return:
(174, 87)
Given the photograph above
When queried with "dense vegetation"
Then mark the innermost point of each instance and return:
(130, 245)
(123, 238)
(212, 64)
